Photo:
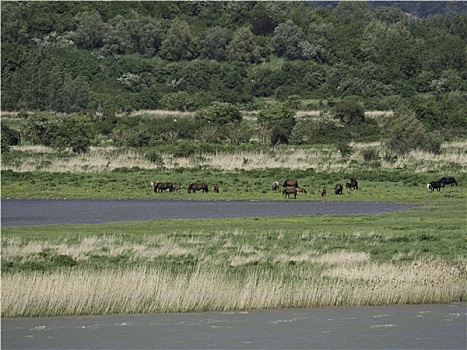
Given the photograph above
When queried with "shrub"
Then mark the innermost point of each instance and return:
(370, 155)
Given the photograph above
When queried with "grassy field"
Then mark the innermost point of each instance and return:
(410, 256)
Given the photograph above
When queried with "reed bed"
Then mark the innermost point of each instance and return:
(321, 159)
(147, 290)
(217, 271)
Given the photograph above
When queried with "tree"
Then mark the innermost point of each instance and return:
(349, 112)
(74, 96)
(144, 34)
(179, 44)
(264, 26)
(90, 30)
(214, 45)
(279, 122)
(220, 113)
(243, 48)
(287, 39)
(407, 133)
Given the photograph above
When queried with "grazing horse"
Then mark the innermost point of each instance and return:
(448, 181)
(301, 190)
(198, 186)
(275, 185)
(216, 189)
(434, 185)
(323, 192)
(338, 189)
(288, 191)
(353, 184)
(290, 182)
(162, 186)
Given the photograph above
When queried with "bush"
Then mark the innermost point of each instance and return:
(370, 155)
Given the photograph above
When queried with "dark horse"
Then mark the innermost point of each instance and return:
(434, 185)
(338, 189)
(448, 181)
(198, 186)
(353, 184)
(290, 183)
(288, 191)
(275, 185)
(162, 186)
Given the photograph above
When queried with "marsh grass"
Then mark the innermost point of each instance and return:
(325, 158)
(412, 256)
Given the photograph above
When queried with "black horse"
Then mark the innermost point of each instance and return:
(353, 184)
(448, 181)
(434, 185)
(290, 183)
(288, 191)
(338, 189)
(198, 186)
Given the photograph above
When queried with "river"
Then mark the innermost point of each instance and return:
(368, 327)
(24, 212)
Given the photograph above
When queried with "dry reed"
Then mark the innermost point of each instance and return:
(323, 159)
(145, 290)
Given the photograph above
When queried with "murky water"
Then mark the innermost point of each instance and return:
(22, 212)
(377, 327)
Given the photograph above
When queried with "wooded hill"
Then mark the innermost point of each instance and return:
(186, 56)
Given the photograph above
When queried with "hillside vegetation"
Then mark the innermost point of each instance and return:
(99, 59)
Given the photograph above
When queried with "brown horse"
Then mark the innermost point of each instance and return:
(198, 186)
(323, 192)
(338, 189)
(288, 191)
(162, 186)
(216, 188)
(301, 190)
(290, 183)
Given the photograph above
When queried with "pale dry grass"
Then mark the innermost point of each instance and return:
(322, 159)
(302, 277)
(147, 290)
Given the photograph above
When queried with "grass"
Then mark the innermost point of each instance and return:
(410, 256)
(324, 158)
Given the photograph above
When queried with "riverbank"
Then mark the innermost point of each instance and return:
(411, 256)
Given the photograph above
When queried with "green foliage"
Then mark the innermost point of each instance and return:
(220, 113)
(74, 132)
(408, 133)
(277, 122)
(349, 112)
(179, 43)
(243, 48)
(74, 56)
(345, 149)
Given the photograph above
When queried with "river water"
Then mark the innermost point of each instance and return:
(23, 212)
(369, 327)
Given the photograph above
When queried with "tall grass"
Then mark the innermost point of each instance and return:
(320, 158)
(147, 290)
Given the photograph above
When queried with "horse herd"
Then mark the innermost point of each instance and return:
(436, 185)
(290, 187)
(192, 188)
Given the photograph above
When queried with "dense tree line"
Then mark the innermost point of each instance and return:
(199, 56)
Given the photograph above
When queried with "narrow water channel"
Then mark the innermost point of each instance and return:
(369, 327)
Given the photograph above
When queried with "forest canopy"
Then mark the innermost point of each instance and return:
(74, 57)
